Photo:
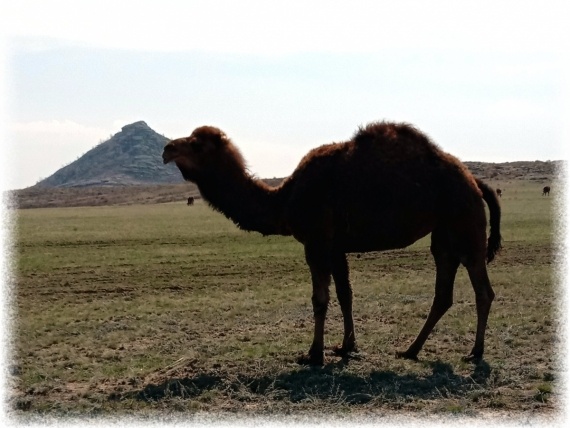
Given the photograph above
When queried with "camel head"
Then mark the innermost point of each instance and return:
(207, 150)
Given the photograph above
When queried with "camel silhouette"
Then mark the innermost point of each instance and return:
(396, 185)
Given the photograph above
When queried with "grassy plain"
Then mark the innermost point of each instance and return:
(166, 309)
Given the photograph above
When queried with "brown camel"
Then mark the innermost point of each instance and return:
(191, 200)
(397, 187)
(546, 191)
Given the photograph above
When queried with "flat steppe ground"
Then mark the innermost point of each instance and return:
(147, 310)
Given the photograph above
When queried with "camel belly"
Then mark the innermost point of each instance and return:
(377, 243)
(388, 233)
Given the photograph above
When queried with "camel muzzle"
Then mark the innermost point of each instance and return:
(166, 158)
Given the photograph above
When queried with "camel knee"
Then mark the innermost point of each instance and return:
(489, 294)
(320, 304)
(484, 297)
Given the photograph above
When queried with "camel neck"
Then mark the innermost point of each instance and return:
(249, 202)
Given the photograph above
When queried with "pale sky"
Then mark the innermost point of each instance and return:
(487, 80)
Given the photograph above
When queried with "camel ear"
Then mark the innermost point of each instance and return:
(207, 138)
(196, 144)
(213, 141)
(218, 139)
(201, 145)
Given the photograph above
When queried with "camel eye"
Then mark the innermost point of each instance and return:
(197, 146)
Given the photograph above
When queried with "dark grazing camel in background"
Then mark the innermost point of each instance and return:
(191, 200)
(546, 191)
(397, 187)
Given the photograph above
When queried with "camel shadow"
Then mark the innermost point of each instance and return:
(325, 383)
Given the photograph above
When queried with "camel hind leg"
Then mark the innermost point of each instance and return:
(484, 296)
(449, 250)
(446, 268)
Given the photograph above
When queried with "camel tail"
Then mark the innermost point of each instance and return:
(494, 241)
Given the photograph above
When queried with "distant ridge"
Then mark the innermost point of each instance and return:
(130, 157)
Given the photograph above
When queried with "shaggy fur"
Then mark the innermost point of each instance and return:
(385, 188)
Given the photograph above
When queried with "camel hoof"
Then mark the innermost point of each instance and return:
(407, 355)
(311, 360)
(344, 351)
(472, 358)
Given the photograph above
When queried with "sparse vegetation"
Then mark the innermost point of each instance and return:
(155, 309)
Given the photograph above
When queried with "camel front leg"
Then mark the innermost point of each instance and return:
(340, 275)
(321, 278)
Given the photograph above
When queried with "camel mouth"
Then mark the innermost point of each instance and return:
(166, 158)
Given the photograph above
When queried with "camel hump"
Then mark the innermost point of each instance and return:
(400, 136)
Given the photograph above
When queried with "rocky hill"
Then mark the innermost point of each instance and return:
(130, 157)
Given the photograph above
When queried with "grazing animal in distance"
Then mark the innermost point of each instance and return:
(546, 191)
(499, 193)
(398, 186)
(190, 200)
